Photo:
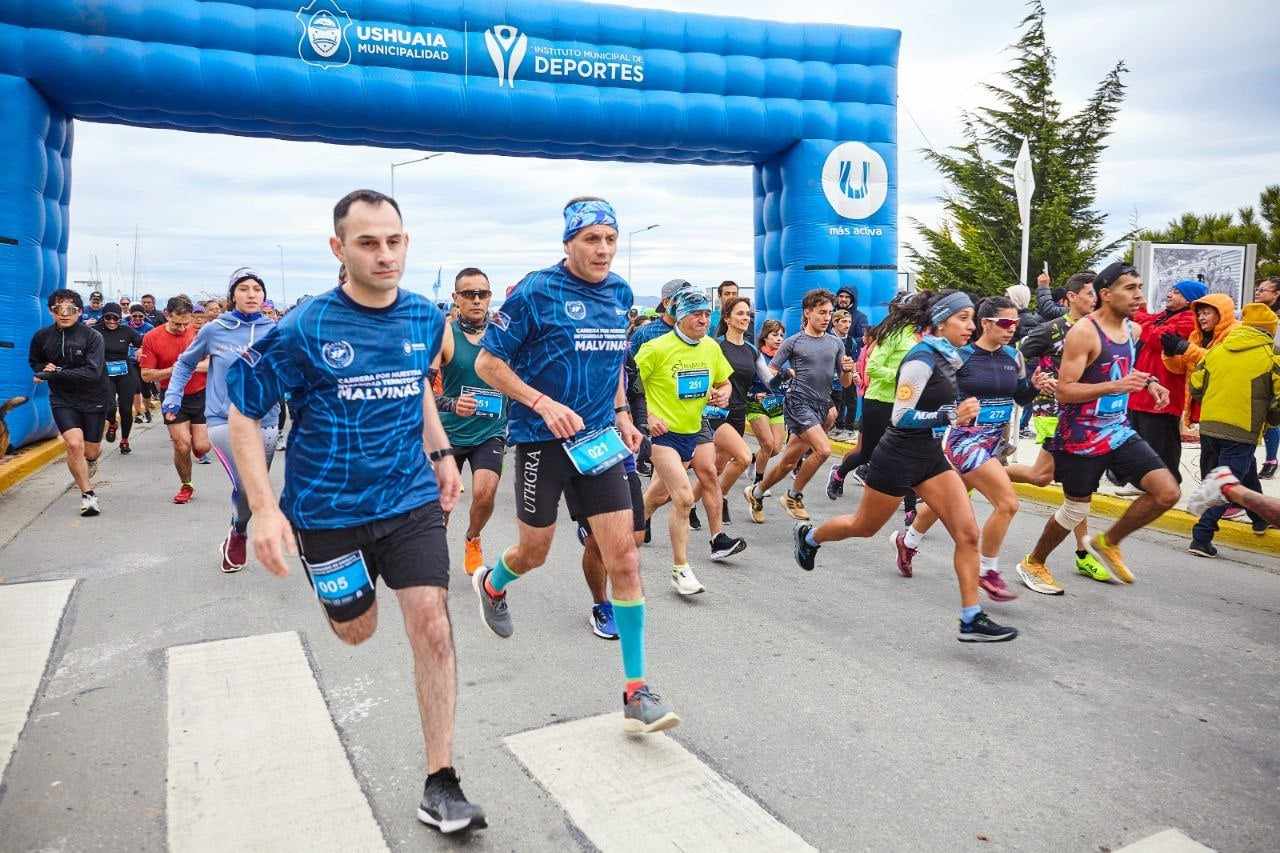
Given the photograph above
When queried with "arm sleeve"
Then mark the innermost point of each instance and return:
(91, 370)
(185, 366)
(266, 373)
(764, 372)
(35, 357)
(912, 378)
(1045, 306)
(511, 326)
(1198, 381)
(1025, 392)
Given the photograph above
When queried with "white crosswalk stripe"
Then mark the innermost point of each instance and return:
(29, 617)
(644, 794)
(254, 759)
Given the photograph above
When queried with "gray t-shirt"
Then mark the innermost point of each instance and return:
(816, 361)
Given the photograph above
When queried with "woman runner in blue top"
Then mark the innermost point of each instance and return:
(995, 374)
(910, 457)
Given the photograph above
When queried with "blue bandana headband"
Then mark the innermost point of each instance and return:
(688, 301)
(584, 214)
(952, 303)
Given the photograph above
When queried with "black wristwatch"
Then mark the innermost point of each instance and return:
(617, 410)
(437, 455)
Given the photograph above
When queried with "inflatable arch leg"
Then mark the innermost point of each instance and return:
(825, 218)
(35, 191)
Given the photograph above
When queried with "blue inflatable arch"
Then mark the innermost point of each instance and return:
(811, 106)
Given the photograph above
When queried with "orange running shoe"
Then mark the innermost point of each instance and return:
(1110, 556)
(474, 556)
(184, 494)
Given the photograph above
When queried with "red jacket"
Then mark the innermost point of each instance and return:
(1153, 326)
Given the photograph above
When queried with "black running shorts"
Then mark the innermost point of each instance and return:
(801, 415)
(637, 503)
(89, 423)
(485, 456)
(406, 550)
(1080, 475)
(544, 473)
(901, 461)
(192, 410)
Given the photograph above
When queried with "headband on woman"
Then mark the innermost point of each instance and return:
(952, 303)
(584, 214)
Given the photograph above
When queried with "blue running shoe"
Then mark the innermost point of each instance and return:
(601, 621)
(804, 552)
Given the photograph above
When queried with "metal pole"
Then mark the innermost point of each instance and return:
(409, 163)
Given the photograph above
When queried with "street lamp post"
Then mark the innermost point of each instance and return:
(629, 236)
(284, 300)
(395, 166)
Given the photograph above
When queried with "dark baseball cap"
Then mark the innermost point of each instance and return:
(1111, 273)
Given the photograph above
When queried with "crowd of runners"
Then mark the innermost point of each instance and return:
(390, 399)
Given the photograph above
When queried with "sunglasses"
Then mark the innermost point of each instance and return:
(474, 294)
(1004, 322)
(66, 310)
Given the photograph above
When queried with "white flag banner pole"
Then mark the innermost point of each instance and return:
(1024, 184)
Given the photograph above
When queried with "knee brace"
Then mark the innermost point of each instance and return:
(1071, 513)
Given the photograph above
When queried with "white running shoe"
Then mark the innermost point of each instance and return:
(684, 581)
(89, 505)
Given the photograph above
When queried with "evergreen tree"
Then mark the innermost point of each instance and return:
(1245, 226)
(978, 245)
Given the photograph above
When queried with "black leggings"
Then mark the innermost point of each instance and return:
(123, 389)
(876, 417)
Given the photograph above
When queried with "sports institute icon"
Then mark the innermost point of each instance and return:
(324, 42)
(855, 180)
(507, 47)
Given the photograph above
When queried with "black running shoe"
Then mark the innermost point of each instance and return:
(983, 630)
(648, 532)
(1202, 549)
(724, 511)
(804, 552)
(726, 546)
(445, 807)
(694, 523)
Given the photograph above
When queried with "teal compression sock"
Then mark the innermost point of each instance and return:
(501, 575)
(629, 617)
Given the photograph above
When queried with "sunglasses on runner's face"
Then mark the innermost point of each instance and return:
(474, 294)
(66, 310)
(1004, 322)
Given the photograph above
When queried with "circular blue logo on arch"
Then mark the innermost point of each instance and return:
(855, 180)
(324, 41)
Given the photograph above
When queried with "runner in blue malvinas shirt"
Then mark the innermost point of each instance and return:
(360, 495)
(556, 350)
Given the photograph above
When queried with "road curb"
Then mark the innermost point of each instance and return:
(1179, 521)
(28, 461)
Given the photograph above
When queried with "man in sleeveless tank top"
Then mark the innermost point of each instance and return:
(473, 414)
(1094, 433)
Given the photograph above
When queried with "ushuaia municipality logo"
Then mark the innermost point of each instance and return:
(507, 47)
(324, 41)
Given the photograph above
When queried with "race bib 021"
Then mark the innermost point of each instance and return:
(596, 451)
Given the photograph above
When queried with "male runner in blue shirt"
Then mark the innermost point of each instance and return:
(359, 496)
(556, 351)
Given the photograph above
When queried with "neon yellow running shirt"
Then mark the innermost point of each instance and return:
(678, 377)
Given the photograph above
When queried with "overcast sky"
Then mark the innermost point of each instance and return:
(1198, 132)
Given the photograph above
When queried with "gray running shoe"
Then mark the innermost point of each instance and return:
(492, 610)
(647, 713)
(445, 807)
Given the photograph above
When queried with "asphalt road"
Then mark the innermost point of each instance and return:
(839, 700)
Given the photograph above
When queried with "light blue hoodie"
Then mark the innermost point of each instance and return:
(224, 339)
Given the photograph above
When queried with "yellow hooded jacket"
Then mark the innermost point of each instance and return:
(1238, 384)
(1187, 361)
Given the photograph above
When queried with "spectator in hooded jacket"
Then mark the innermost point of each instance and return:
(1160, 426)
(849, 410)
(1215, 317)
(1238, 384)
